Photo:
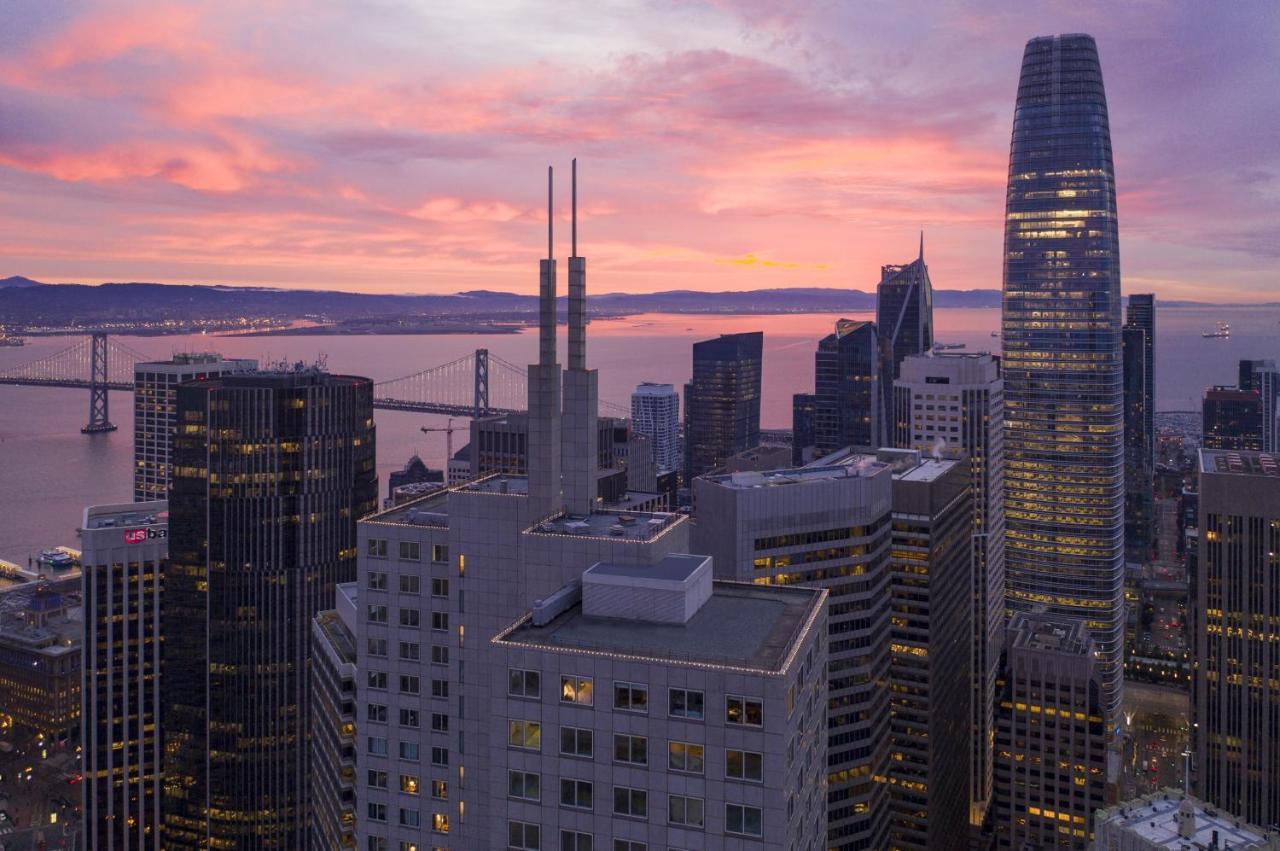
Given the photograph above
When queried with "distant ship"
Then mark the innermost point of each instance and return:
(6, 340)
(1224, 331)
(995, 333)
(943, 347)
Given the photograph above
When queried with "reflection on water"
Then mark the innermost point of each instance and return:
(49, 471)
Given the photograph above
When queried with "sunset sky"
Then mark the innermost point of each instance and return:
(397, 146)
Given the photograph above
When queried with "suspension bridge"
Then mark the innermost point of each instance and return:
(477, 384)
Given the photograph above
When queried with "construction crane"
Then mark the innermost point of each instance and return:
(448, 443)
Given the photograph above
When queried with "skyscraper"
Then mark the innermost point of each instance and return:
(1262, 376)
(1231, 419)
(955, 403)
(126, 551)
(1142, 314)
(655, 413)
(846, 399)
(155, 389)
(271, 472)
(722, 400)
(1139, 475)
(1064, 439)
(333, 778)
(1236, 603)
(904, 317)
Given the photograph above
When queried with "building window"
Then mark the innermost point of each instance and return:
(409, 718)
(744, 765)
(440, 588)
(748, 711)
(439, 722)
(409, 751)
(377, 679)
(524, 734)
(410, 618)
(440, 689)
(629, 845)
(439, 654)
(377, 746)
(742, 819)
(377, 647)
(440, 756)
(579, 690)
(376, 712)
(410, 651)
(377, 547)
(440, 621)
(572, 840)
(522, 683)
(377, 614)
(686, 756)
(575, 793)
(377, 580)
(439, 553)
(410, 551)
(440, 822)
(377, 812)
(524, 836)
(410, 583)
(630, 802)
(377, 779)
(525, 785)
(631, 749)
(376, 843)
(409, 684)
(684, 703)
(575, 741)
(631, 697)
(408, 784)
(440, 790)
(684, 811)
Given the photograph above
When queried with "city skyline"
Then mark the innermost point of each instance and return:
(741, 143)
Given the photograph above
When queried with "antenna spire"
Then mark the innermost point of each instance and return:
(921, 245)
(550, 253)
(574, 196)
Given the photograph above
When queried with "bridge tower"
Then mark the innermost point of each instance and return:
(98, 380)
(480, 407)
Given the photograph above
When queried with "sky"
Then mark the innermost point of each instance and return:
(402, 145)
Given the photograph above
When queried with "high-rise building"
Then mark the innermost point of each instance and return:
(804, 410)
(270, 473)
(1232, 419)
(1141, 313)
(1051, 744)
(1064, 437)
(655, 413)
(333, 779)
(1139, 474)
(904, 318)
(722, 401)
(931, 638)
(125, 555)
(1262, 376)
(155, 387)
(954, 404)
(825, 526)
(1236, 603)
(846, 398)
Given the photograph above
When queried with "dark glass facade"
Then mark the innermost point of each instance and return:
(847, 397)
(1232, 419)
(803, 408)
(904, 319)
(1064, 443)
(1139, 482)
(722, 401)
(1142, 314)
(270, 473)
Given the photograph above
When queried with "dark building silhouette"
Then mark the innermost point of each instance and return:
(1262, 376)
(414, 472)
(722, 400)
(1139, 499)
(904, 319)
(270, 473)
(803, 408)
(1232, 418)
(1064, 396)
(1142, 314)
(847, 397)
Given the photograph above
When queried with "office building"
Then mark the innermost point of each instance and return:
(847, 397)
(333, 775)
(953, 404)
(1232, 419)
(1263, 377)
(652, 707)
(931, 635)
(125, 555)
(1139, 474)
(1171, 820)
(722, 401)
(1141, 313)
(155, 385)
(655, 413)
(1064, 438)
(1236, 603)
(271, 471)
(40, 658)
(825, 526)
(1051, 742)
(904, 318)
(804, 409)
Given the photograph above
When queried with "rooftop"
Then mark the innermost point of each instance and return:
(1042, 631)
(1154, 818)
(41, 620)
(126, 514)
(429, 510)
(865, 465)
(337, 634)
(748, 627)
(1240, 462)
(616, 525)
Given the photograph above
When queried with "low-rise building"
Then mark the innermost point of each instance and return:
(40, 641)
(1171, 820)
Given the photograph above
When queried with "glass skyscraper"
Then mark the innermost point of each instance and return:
(904, 317)
(722, 401)
(1064, 441)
